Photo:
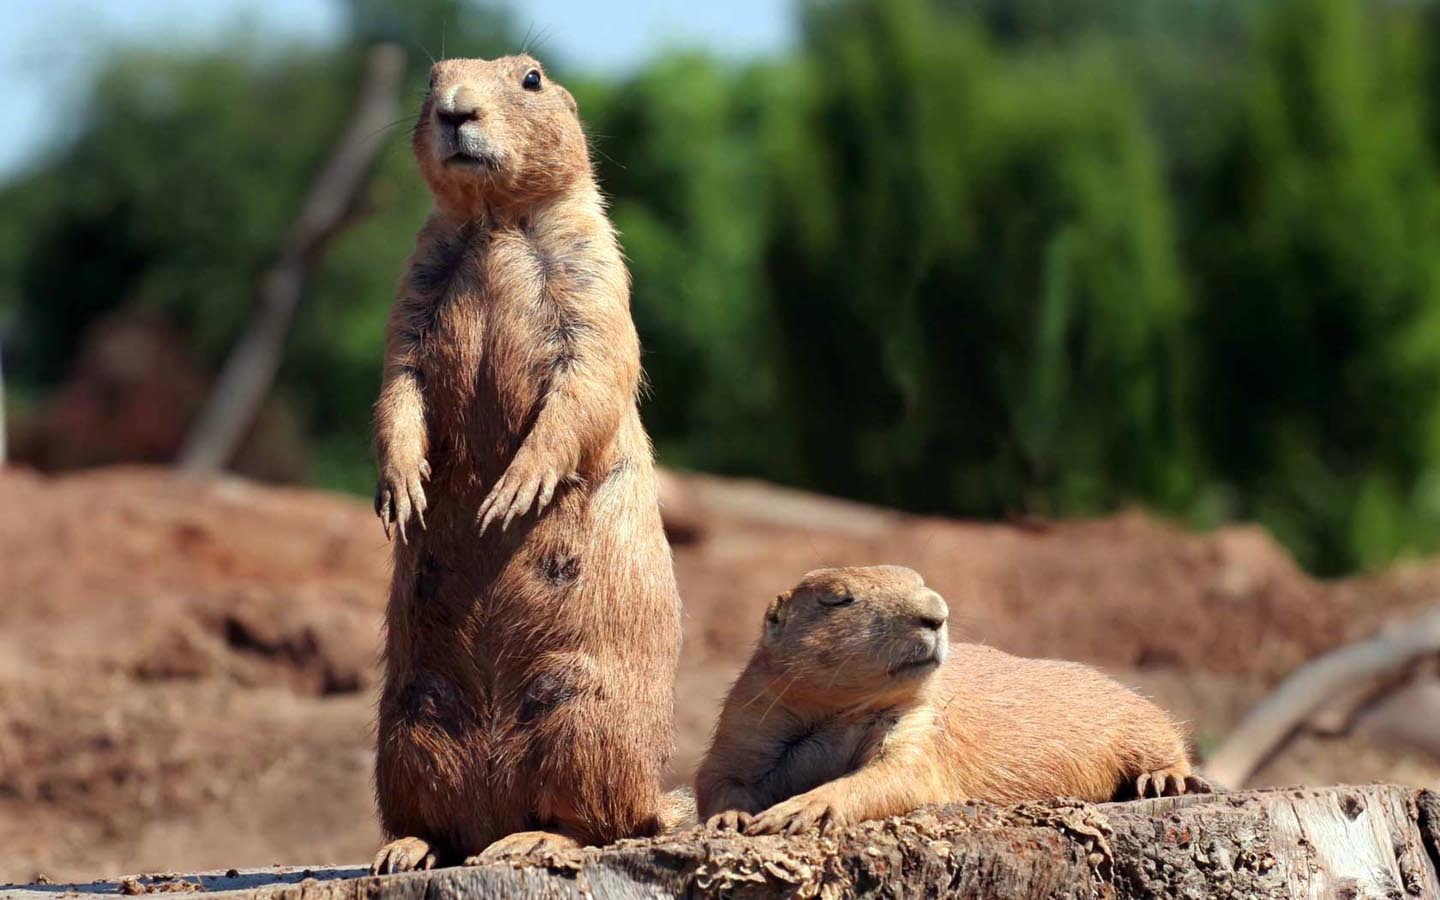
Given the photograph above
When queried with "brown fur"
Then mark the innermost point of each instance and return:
(852, 708)
(533, 627)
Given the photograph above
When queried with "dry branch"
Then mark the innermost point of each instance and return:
(329, 206)
(1306, 689)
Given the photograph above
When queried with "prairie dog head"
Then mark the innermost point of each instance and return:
(498, 131)
(853, 636)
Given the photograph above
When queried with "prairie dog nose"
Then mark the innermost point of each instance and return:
(933, 611)
(463, 105)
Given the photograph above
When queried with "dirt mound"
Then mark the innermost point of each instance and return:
(163, 576)
(187, 666)
(1124, 591)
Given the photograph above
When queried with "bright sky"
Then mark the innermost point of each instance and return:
(48, 47)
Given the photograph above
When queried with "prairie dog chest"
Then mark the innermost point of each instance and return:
(484, 339)
(809, 756)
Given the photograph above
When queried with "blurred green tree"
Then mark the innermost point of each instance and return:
(1315, 252)
(982, 311)
(963, 256)
(679, 148)
(237, 134)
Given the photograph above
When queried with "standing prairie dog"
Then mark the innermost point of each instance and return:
(533, 627)
(854, 707)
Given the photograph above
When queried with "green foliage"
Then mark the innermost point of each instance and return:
(107, 226)
(678, 149)
(1319, 336)
(965, 256)
(993, 307)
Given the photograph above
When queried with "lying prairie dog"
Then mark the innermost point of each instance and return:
(854, 706)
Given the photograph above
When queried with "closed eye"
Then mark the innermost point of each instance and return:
(836, 599)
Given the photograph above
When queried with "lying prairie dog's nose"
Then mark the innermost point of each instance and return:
(933, 610)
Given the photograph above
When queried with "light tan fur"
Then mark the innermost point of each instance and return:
(854, 706)
(533, 627)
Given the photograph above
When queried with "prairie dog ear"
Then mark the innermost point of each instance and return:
(775, 614)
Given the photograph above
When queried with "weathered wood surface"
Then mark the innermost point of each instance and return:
(1340, 842)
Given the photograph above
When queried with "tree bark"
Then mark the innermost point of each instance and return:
(239, 392)
(1338, 842)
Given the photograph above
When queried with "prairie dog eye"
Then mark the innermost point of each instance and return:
(836, 599)
(531, 81)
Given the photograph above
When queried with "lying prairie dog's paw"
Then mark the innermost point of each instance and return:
(797, 815)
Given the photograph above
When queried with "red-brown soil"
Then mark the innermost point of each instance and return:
(187, 666)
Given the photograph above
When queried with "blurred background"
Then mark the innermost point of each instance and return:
(1148, 294)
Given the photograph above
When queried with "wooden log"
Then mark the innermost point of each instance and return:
(1336, 842)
